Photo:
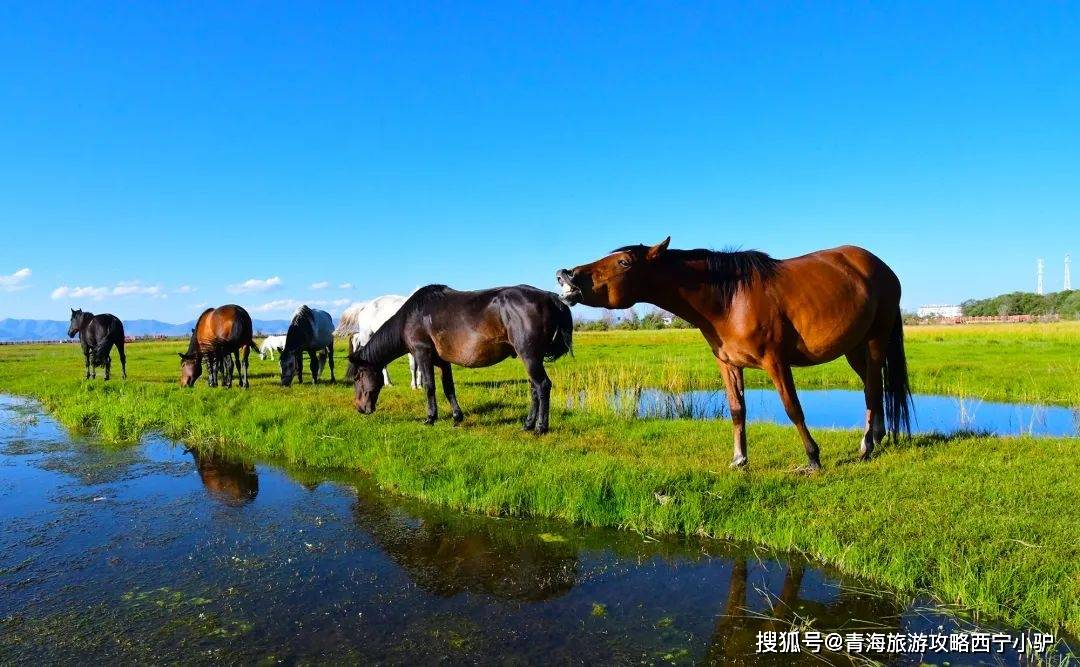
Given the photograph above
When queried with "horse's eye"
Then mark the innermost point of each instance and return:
(625, 263)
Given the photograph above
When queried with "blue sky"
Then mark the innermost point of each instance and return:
(160, 157)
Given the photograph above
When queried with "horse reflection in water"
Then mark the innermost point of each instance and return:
(448, 555)
(228, 481)
(752, 606)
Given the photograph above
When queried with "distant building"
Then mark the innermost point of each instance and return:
(938, 310)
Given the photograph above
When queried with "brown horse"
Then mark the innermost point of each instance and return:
(760, 312)
(218, 333)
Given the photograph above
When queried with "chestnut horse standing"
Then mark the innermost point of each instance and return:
(218, 333)
(760, 312)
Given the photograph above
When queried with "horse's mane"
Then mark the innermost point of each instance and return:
(303, 316)
(388, 340)
(726, 271)
(193, 343)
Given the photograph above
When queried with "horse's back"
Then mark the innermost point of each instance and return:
(833, 299)
(228, 327)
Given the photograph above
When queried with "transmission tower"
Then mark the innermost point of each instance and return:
(1039, 276)
(1068, 273)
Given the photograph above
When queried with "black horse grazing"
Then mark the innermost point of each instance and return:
(310, 331)
(220, 332)
(440, 326)
(97, 335)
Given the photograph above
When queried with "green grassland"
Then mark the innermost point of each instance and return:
(992, 524)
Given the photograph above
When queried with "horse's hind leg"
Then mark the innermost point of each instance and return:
(780, 373)
(534, 407)
(538, 377)
(108, 366)
(448, 390)
(867, 361)
(86, 358)
(123, 360)
(313, 356)
(414, 373)
(330, 360)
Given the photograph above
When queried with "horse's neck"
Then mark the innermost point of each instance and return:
(686, 293)
(389, 346)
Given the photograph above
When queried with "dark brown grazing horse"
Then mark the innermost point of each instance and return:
(218, 333)
(97, 336)
(440, 326)
(760, 312)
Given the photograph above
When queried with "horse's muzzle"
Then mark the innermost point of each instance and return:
(569, 292)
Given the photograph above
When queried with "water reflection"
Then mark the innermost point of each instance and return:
(447, 555)
(229, 481)
(135, 564)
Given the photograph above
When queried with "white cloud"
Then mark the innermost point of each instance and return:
(15, 281)
(121, 289)
(345, 286)
(134, 287)
(322, 284)
(255, 285)
(278, 305)
(87, 292)
(289, 305)
(185, 289)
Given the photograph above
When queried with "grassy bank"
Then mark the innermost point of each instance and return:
(989, 523)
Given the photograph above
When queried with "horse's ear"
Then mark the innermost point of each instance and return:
(657, 249)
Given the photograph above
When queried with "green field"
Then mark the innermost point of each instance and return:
(991, 524)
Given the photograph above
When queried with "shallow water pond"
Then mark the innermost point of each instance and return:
(844, 408)
(159, 554)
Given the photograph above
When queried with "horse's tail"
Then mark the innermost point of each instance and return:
(563, 339)
(897, 388)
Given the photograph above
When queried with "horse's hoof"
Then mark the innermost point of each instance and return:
(458, 418)
(429, 421)
(740, 462)
(541, 430)
(528, 427)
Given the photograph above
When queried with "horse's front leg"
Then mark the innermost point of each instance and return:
(108, 366)
(780, 372)
(427, 369)
(330, 360)
(448, 390)
(86, 357)
(313, 357)
(733, 386)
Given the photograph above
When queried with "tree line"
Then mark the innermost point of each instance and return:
(1065, 304)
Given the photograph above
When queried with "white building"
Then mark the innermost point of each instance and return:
(939, 310)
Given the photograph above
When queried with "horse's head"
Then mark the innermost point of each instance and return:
(618, 280)
(367, 383)
(76, 322)
(290, 361)
(190, 369)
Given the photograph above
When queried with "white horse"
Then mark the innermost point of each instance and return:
(270, 345)
(362, 319)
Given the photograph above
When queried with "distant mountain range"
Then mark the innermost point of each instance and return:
(36, 330)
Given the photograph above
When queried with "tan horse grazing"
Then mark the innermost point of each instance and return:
(760, 312)
(218, 333)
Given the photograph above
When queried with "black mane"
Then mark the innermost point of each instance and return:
(301, 328)
(388, 343)
(727, 271)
